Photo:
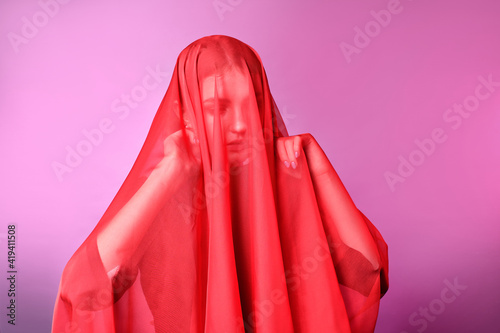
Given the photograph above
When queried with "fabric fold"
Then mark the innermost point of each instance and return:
(210, 232)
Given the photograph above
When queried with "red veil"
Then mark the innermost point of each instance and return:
(212, 232)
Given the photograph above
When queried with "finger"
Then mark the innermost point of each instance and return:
(280, 148)
(297, 142)
(311, 147)
(290, 153)
(307, 139)
(194, 151)
(191, 135)
(308, 142)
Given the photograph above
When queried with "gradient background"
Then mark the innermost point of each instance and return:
(366, 110)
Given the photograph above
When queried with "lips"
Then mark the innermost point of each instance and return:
(235, 142)
(236, 145)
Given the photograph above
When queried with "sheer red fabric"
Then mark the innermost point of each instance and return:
(216, 230)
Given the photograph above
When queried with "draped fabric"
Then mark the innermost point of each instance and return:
(215, 230)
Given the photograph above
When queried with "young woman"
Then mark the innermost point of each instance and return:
(225, 223)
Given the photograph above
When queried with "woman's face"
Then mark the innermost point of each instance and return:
(236, 100)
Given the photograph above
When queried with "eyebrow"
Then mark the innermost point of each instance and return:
(221, 100)
(227, 100)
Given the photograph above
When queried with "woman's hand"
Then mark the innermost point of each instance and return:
(182, 155)
(289, 150)
(181, 164)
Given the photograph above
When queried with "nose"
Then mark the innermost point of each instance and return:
(238, 123)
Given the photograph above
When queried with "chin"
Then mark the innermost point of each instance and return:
(239, 162)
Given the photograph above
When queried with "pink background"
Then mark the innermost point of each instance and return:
(367, 107)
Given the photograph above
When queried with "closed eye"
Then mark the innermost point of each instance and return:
(209, 106)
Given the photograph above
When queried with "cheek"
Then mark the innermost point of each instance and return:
(226, 126)
(209, 128)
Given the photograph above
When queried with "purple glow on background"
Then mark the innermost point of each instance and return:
(366, 109)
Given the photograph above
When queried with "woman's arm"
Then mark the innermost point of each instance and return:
(122, 236)
(351, 226)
